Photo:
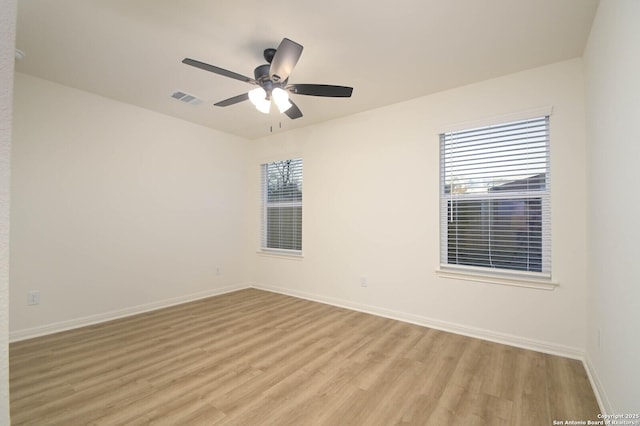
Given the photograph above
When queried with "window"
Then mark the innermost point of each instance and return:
(494, 199)
(282, 206)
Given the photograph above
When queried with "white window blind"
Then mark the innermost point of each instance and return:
(495, 198)
(282, 206)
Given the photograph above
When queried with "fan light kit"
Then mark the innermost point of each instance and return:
(259, 99)
(281, 98)
(272, 80)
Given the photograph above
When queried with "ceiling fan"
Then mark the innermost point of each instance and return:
(272, 80)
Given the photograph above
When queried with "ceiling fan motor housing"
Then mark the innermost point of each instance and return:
(261, 74)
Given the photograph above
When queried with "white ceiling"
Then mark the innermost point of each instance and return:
(131, 50)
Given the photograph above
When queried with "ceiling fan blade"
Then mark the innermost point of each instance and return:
(217, 70)
(326, 90)
(293, 112)
(284, 60)
(233, 101)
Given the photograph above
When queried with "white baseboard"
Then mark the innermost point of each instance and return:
(57, 327)
(464, 330)
(503, 338)
(492, 336)
(596, 384)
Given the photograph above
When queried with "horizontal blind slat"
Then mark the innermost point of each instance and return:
(282, 205)
(495, 209)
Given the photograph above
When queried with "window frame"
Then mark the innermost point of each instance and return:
(265, 205)
(504, 276)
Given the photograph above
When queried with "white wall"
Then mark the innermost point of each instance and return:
(371, 210)
(116, 208)
(7, 48)
(612, 61)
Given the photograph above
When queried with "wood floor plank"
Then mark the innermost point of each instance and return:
(530, 397)
(569, 389)
(258, 358)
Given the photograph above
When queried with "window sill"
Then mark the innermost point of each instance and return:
(280, 254)
(539, 284)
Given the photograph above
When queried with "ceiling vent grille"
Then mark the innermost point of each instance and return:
(186, 98)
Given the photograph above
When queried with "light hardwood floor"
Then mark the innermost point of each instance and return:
(257, 358)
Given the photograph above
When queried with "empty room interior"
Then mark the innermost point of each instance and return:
(320, 212)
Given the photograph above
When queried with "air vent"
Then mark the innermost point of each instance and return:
(187, 98)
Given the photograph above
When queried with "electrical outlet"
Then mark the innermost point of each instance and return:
(363, 282)
(33, 297)
(218, 272)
